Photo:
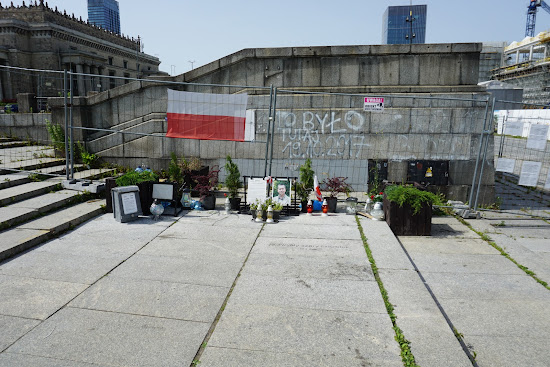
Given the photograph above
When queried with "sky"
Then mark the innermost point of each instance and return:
(187, 34)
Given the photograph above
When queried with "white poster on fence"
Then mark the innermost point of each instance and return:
(547, 184)
(514, 128)
(529, 173)
(506, 165)
(537, 137)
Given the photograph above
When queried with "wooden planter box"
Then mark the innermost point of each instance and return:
(402, 221)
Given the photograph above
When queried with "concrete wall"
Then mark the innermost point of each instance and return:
(333, 130)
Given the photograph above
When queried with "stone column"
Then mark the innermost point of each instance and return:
(2, 78)
(104, 79)
(5, 83)
(93, 78)
(87, 78)
(80, 81)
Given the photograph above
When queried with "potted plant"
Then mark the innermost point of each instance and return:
(253, 208)
(335, 186)
(408, 210)
(205, 185)
(233, 182)
(191, 168)
(305, 184)
(277, 207)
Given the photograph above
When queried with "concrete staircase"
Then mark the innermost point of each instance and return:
(31, 211)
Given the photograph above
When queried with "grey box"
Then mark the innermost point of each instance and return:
(126, 203)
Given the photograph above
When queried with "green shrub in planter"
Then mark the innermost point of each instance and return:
(409, 195)
(408, 210)
(134, 177)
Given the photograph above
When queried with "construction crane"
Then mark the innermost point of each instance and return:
(532, 16)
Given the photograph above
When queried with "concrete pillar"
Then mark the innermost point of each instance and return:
(517, 57)
(80, 81)
(87, 79)
(93, 71)
(531, 53)
(104, 79)
(1, 82)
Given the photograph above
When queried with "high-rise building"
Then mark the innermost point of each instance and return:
(104, 14)
(404, 24)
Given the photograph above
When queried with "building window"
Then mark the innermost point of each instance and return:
(138, 66)
(125, 64)
(126, 75)
(110, 61)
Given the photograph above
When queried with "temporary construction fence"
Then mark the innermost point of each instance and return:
(522, 156)
(436, 140)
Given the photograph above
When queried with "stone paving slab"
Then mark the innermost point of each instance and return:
(224, 357)
(153, 298)
(365, 336)
(233, 248)
(511, 317)
(510, 351)
(407, 293)
(434, 245)
(464, 263)
(311, 293)
(421, 320)
(328, 231)
(309, 247)
(113, 339)
(430, 351)
(60, 267)
(12, 328)
(218, 218)
(22, 360)
(218, 271)
(485, 286)
(386, 250)
(105, 237)
(185, 230)
(333, 219)
(328, 267)
(34, 298)
(451, 227)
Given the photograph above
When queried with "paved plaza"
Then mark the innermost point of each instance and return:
(226, 291)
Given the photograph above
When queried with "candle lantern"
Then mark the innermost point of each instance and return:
(351, 206)
(186, 199)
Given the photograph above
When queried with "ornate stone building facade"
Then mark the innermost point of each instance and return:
(36, 36)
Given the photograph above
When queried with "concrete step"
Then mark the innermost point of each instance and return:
(5, 139)
(15, 194)
(94, 173)
(12, 144)
(30, 164)
(31, 234)
(13, 180)
(28, 209)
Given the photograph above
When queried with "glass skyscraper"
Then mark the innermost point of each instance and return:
(400, 27)
(104, 14)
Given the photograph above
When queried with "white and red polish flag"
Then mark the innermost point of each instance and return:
(317, 189)
(208, 116)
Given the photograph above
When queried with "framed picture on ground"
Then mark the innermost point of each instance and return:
(282, 191)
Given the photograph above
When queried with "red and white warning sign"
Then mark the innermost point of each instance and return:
(374, 104)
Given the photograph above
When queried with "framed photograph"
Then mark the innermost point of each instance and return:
(282, 191)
